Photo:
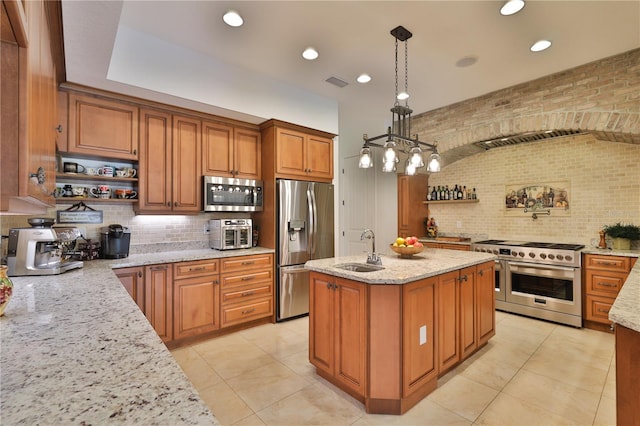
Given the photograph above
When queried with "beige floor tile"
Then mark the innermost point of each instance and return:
(488, 371)
(609, 390)
(507, 410)
(252, 420)
(196, 368)
(313, 405)
(424, 413)
(299, 363)
(463, 397)
(231, 356)
(606, 414)
(282, 343)
(586, 372)
(581, 342)
(225, 404)
(575, 404)
(266, 385)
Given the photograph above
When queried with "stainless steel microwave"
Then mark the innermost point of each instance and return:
(232, 195)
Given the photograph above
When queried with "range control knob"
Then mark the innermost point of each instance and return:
(559, 257)
(551, 257)
(521, 254)
(514, 254)
(496, 251)
(568, 258)
(543, 256)
(532, 255)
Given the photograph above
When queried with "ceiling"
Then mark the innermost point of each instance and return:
(352, 38)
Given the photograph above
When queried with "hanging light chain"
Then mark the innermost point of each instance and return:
(396, 96)
(406, 71)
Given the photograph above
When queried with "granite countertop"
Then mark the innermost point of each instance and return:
(397, 270)
(626, 308)
(77, 349)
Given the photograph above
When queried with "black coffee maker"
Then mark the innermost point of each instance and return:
(114, 241)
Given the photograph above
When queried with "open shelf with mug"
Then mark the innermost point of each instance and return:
(95, 180)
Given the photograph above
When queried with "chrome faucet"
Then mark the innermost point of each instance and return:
(373, 257)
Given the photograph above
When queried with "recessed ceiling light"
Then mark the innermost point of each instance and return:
(363, 78)
(310, 53)
(511, 7)
(232, 18)
(540, 45)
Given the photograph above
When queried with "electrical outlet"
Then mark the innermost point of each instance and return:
(206, 228)
(459, 224)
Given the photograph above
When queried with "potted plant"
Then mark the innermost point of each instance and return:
(622, 235)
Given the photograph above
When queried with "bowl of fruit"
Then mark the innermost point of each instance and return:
(407, 247)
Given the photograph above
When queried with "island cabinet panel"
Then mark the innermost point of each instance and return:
(420, 365)
(486, 302)
(461, 247)
(101, 127)
(196, 298)
(627, 373)
(468, 312)
(337, 325)
(448, 321)
(133, 281)
(158, 299)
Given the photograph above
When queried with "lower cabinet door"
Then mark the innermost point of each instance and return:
(158, 299)
(448, 317)
(485, 288)
(321, 319)
(468, 304)
(133, 281)
(196, 306)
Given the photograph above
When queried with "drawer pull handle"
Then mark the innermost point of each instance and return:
(607, 285)
(248, 262)
(248, 311)
(605, 262)
(604, 311)
(248, 293)
(199, 268)
(248, 278)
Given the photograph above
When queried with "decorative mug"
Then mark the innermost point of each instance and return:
(92, 171)
(130, 193)
(67, 191)
(73, 168)
(125, 193)
(122, 173)
(101, 191)
(79, 191)
(132, 172)
(106, 171)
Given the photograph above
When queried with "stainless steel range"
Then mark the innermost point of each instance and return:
(541, 280)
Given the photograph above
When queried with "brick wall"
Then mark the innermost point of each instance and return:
(601, 97)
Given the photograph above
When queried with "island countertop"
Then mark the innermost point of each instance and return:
(77, 349)
(397, 270)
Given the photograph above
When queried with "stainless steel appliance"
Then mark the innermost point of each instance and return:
(541, 280)
(39, 250)
(229, 234)
(114, 241)
(232, 195)
(305, 231)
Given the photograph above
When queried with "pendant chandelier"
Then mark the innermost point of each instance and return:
(398, 136)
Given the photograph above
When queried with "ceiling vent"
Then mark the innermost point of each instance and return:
(525, 137)
(337, 82)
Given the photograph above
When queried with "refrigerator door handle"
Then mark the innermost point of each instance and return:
(313, 223)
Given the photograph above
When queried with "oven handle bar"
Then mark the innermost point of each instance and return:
(538, 266)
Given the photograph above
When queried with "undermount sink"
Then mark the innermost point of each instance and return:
(359, 267)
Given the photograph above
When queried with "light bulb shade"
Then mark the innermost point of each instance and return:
(390, 154)
(365, 158)
(389, 167)
(434, 163)
(415, 157)
(402, 96)
(410, 168)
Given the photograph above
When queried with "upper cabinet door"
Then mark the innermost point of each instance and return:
(247, 154)
(217, 149)
(290, 152)
(320, 157)
(100, 127)
(154, 174)
(187, 175)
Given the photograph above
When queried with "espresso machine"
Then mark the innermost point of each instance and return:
(39, 250)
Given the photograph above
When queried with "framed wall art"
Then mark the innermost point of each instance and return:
(538, 197)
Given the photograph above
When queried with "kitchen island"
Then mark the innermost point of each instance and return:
(76, 349)
(386, 336)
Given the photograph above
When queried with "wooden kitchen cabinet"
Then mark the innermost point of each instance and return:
(170, 179)
(448, 321)
(29, 72)
(448, 246)
(411, 209)
(486, 302)
(158, 299)
(296, 152)
(196, 298)
(246, 289)
(231, 151)
(337, 324)
(133, 281)
(603, 278)
(102, 127)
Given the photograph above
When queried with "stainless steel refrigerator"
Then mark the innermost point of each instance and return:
(305, 231)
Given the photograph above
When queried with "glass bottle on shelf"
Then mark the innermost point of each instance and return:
(474, 195)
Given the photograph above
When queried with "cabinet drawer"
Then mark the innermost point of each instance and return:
(240, 294)
(242, 263)
(608, 263)
(247, 312)
(607, 284)
(229, 280)
(198, 268)
(597, 309)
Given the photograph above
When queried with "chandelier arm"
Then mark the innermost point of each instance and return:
(415, 142)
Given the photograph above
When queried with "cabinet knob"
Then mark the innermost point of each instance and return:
(481, 273)
(59, 128)
(140, 274)
(329, 286)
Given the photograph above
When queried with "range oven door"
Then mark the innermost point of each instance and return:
(552, 288)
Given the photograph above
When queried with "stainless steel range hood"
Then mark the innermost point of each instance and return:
(525, 137)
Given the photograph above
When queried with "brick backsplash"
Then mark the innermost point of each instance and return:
(604, 179)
